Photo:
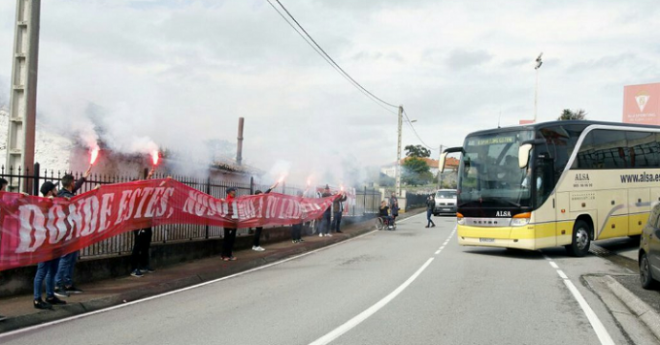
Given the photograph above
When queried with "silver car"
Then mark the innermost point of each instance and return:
(445, 202)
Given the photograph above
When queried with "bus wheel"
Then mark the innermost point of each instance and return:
(579, 247)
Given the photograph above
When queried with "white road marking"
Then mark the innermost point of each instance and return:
(596, 324)
(358, 319)
(350, 324)
(562, 274)
(75, 317)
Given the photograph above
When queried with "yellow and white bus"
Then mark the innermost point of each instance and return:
(562, 183)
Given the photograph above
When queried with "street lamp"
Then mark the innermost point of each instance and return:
(539, 62)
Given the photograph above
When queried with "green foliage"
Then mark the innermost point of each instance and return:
(417, 151)
(569, 114)
(416, 172)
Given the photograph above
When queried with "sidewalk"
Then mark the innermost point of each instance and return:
(107, 293)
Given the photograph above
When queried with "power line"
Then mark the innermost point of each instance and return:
(415, 131)
(319, 50)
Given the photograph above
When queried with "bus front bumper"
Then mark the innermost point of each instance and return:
(529, 237)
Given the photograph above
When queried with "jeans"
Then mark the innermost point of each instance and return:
(325, 223)
(228, 242)
(337, 221)
(64, 277)
(296, 231)
(429, 214)
(46, 270)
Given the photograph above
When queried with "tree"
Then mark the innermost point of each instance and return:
(417, 151)
(416, 171)
(569, 114)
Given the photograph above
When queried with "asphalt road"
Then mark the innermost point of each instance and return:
(387, 287)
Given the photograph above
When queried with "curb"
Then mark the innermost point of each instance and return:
(642, 310)
(73, 309)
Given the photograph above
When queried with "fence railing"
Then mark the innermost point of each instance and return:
(366, 202)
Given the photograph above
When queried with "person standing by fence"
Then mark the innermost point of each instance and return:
(296, 228)
(257, 232)
(338, 208)
(48, 269)
(327, 215)
(64, 278)
(230, 231)
(141, 245)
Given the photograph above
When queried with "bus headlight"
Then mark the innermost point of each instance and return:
(460, 219)
(521, 219)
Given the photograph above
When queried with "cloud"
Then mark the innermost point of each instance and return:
(462, 59)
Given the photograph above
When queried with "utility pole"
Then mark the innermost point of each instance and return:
(398, 154)
(23, 97)
(440, 170)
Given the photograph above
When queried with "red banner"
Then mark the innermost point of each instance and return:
(36, 229)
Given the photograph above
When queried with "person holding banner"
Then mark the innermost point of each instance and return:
(257, 232)
(296, 228)
(338, 208)
(230, 232)
(64, 277)
(47, 270)
(327, 215)
(141, 244)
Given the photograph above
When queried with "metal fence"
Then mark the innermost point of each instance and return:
(367, 201)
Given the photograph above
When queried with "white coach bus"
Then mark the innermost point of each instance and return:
(562, 183)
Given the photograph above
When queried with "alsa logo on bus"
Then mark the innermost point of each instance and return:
(503, 214)
(581, 177)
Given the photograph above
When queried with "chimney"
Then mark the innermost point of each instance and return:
(239, 148)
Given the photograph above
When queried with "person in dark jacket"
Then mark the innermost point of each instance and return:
(3, 188)
(296, 229)
(394, 206)
(327, 215)
(430, 204)
(338, 209)
(64, 277)
(257, 232)
(230, 231)
(47, 270)
(141, 244)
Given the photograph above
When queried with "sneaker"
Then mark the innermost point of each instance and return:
(224, 258)
(61, 294)
(339, 231)
(294, 241)
(54, 300)
(260, 249)
(3, 318)
(426, 226)
(73, 290)
(433, 226)
(255, 248)
(137, 273)
(301, 240)
(39, 304)
(233, 258)
(329, 235)
(320, 235)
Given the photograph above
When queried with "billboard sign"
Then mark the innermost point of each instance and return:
(641, 104)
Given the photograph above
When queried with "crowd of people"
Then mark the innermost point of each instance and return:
(57, 274)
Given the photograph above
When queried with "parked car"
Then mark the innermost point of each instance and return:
(649, 251)
(445, 202)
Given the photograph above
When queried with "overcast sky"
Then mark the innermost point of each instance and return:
(181, 72)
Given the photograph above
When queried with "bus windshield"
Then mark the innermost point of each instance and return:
(489, 171)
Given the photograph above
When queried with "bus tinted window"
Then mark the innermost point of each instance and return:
(642, 149)
(610, 149)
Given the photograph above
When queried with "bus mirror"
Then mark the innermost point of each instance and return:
(441, 163)
(523, 155)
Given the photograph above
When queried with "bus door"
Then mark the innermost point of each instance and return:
(545, 215)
